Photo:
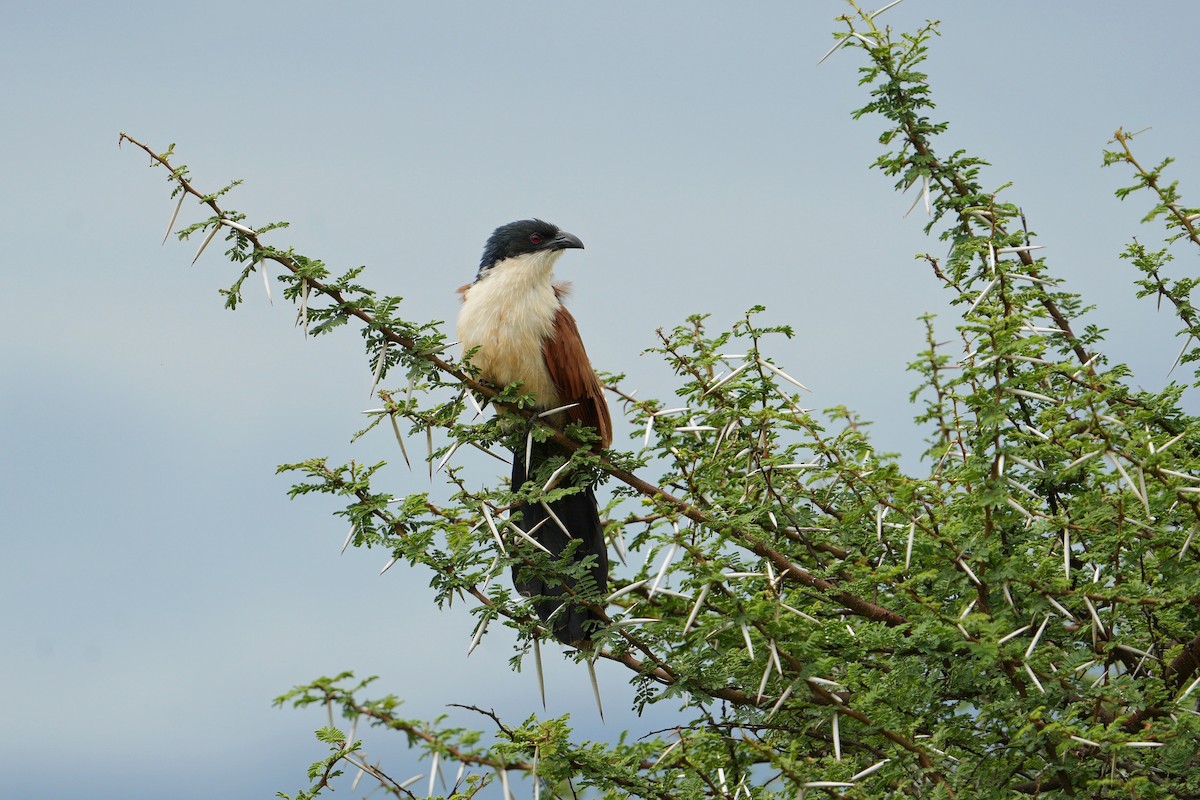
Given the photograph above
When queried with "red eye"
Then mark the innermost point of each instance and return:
(535, 238)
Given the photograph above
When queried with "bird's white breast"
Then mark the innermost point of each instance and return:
(507, 314)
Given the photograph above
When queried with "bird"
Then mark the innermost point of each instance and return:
(515, 329)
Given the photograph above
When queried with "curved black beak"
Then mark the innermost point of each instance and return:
(565, 241)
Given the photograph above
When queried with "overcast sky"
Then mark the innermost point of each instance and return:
(159, 589)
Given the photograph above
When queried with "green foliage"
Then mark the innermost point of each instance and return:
(1020, 618)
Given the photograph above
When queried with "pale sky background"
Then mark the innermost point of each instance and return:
(158, 587)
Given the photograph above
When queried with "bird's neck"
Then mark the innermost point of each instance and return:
(528, 271)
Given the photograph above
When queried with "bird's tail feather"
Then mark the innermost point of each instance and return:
(574, 517)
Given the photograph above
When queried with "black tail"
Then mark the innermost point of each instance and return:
(571, 621)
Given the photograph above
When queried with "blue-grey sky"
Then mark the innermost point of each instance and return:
(159, 588)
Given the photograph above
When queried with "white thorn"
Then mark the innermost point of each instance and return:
(696, 608)
(1186, 542)
(446, 458)
(962, 563)
(779, 703)
(762, 684)
(537, 660)
(1036, 637)
(491, 523)
(433, 770)
(555, 475)
(379, 362)
(527, 537)
(552, 411)
(480, 629)
(1189, 689)
(237, 227)
(1013, 635)
(429, 448)
(663, 569)
(595, 686)
(624, 591)
(399, 439)
(262, 267)
(912, 529)
(873, 15)
(175, 215)
(1032, 677)
(783, 375)
(349, 537)
(833, 49)
(749, 644)
(1067, 553)
(878, 764)
(204, 244)
(388, 565)
(837, 739)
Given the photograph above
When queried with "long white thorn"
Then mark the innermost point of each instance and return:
(749, 644)
(1188, 690)
(555, 475)
(962, 563)
(595, 687)
(1036, 637)
(262, 268)
(552, 411)
(237, 226)
(1186, 542)
(529, 538)
(174, 216)
(779, 703)
(399, 439)
(783, 374)
(878, 764)
(349, 538)
(204, 244)
(429, 448)
(663, 569)
(537, 660)
(837, 739)
(480, 629)
(1033, 677)
(696, 608)
(1182, 350)
(832, 50)
(379, 362)
(528, 452)
(557, 521)
(912, 530)
(491, 523)
(982, 295)
(446, 458)
(1067, 553)
(725, 380)
(1013, 635)
(762, 684)
(873, 15)
(624, 590)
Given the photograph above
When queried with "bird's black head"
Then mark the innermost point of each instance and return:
(524, 236)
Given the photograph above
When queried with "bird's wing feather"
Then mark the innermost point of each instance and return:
(572, 373)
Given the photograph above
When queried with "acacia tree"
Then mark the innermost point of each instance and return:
(1022, 617)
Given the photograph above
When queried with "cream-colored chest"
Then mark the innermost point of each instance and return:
(507, 315)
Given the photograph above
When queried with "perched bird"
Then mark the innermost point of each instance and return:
(514, 319)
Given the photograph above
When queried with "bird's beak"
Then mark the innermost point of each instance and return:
(564, 241)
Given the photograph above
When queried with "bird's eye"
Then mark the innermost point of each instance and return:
(535, 238)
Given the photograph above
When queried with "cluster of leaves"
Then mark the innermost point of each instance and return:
(1022, 618)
